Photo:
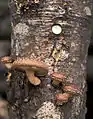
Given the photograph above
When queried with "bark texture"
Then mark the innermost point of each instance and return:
(32, 37)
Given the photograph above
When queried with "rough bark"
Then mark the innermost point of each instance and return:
(32, 37)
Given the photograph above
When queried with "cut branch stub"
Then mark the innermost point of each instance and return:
(32, 68)
(58, 78)
(56, 29)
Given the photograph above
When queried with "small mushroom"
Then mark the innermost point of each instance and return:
(72, 89)
(32, 68)
(62, 98)
(57, 78)
(7, 61)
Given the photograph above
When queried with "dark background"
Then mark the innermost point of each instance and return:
(5, 37)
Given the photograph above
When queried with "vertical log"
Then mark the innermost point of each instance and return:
(33, 37)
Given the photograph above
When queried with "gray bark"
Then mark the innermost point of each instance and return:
(32, 37)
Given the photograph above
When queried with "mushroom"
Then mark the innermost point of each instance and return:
(62, 98)
(57, 78)
(71, 89)
(7, 61)
(69, 92)
(32, 68)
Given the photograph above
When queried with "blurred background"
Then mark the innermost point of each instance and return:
(5, 36)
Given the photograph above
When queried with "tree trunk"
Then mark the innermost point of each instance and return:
(32, 37)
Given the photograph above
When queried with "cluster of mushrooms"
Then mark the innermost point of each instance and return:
(69, 90)
(35, 69)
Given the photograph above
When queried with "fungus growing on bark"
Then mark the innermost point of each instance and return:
(62, 98)
(69, 92)
(32, 68)
(57, 78)
(7, 61)
(72, 89)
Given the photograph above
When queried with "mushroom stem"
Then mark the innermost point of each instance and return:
(8, 65)
(9, 76)
(32, 78)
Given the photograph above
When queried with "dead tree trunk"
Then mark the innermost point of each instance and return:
(33, 37)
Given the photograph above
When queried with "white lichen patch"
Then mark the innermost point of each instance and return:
(49, 61)
(17, 48)
(55, 69)
(63, 55)
(83, 67)
(48, 111)
(76, 106)
(73, 44)
(73, 59)
(21, 29)
(51, 7)
(70, 63)
(27, 44)
(87, 11)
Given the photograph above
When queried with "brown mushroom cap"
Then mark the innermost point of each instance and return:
(63, 98)
(71, 89)
(58, 77)
(40, 68)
